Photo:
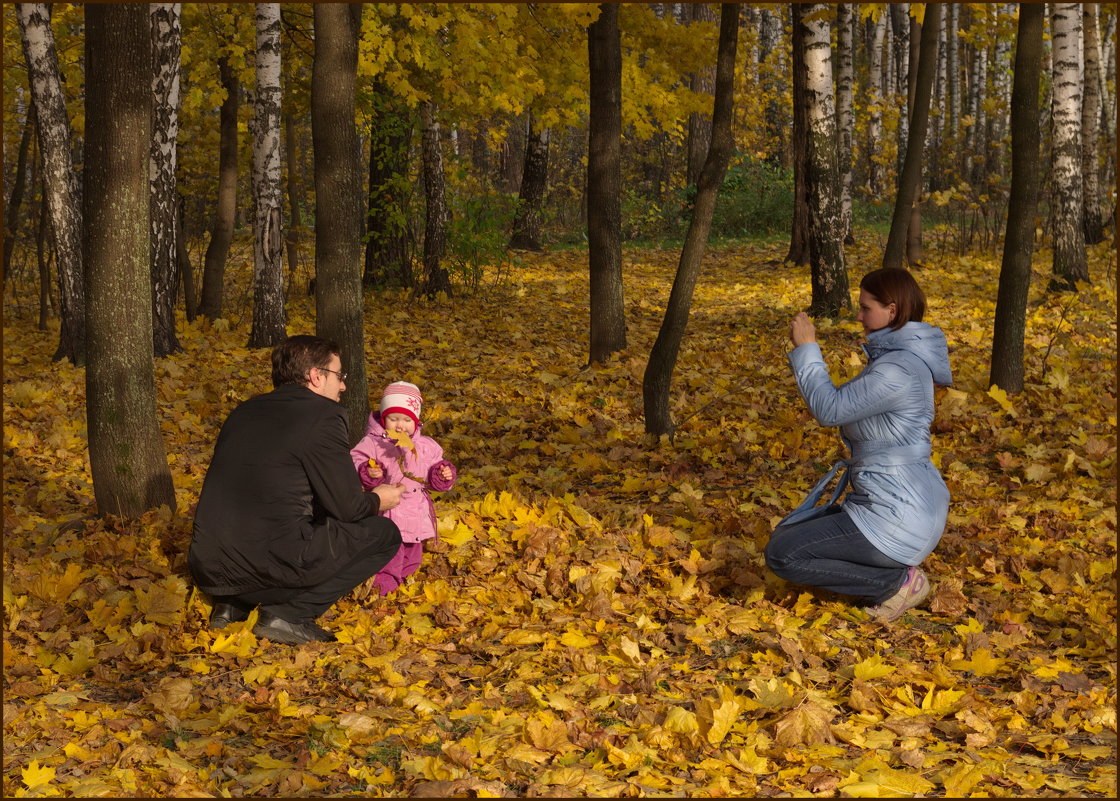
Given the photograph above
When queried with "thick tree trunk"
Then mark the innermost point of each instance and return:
(1018, 246)
(214, 269)
(1090, 130)
(60, 182)
(699, 125)
(15, 199)
(338, 199)
(658, 377)
(604, 186)
(799, 230)
(534, 180)
(166, 46)
(269, 318)
(1070, 262)
(436, 278)
(388, 261)
(845, 119)
(909, 181)
(126, 451)
(829, 274)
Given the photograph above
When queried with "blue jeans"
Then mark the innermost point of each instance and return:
(830, 552)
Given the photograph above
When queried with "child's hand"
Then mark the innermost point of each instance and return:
(374, 469)
(445, 472)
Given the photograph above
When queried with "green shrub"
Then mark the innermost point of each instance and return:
(756, 199)
(477, 235)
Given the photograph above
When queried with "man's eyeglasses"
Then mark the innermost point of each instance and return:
(341, 376)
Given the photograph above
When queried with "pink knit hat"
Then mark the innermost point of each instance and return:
(402, 397)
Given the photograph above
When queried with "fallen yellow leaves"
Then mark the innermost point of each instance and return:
(596, 617)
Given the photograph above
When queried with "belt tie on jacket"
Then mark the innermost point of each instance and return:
(864, 454)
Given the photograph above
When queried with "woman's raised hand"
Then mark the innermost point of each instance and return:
(802, 330)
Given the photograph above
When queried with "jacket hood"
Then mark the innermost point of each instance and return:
(925, 341)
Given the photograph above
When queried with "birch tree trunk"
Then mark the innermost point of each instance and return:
(1070, 263)
(1001, 89)
(845, 119)
(166, 47)
(291, 233)
(339, 208)
(604, 186)
(953, 137)
(126, 451)
(910, 179)
(826, 231)
(875, 105)
(269, 318)
(214, 269)
(526, 233)
(977, 146)
(60, 182)
(435, 278)
(900, 77)
(1018, 245)
(656, 382)
(1090, 129)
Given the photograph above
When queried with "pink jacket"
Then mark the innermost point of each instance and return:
(415, 516)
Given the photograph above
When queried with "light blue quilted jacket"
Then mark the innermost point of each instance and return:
(897, 497)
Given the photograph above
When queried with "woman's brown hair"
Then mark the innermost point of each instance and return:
(895, 285)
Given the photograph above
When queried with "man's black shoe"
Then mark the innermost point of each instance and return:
(277, 629)
(224, 614)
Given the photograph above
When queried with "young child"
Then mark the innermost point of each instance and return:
(414, 460)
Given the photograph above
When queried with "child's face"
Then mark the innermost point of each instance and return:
(396, 421)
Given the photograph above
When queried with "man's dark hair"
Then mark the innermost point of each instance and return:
(895, 285)
(297, 355)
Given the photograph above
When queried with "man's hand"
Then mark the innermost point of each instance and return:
(389, 495)
(802, 330)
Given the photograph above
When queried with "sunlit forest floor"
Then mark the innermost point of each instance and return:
(596, 618)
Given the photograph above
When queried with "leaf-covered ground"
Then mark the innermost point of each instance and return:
(597, 618)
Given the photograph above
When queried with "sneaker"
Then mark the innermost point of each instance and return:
(277, 629)
(911, 594)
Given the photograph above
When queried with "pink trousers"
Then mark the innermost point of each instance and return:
(404, 564)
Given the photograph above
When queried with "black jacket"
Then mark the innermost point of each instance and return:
(281, 501)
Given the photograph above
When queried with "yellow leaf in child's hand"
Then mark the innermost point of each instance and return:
(402, 439)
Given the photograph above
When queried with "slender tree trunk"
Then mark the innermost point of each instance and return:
(875, 106)
(604, 186)
(1001, 88)
(1018, 246)
(269, 318)
(534, 180)
(1090, 129)
(338, 199)
(126, 451)
(663, 357)
(829, 275)
(166, 47)
(845, 119)
(291, 235)
(953, 68)
(388, 260)
(60, 182)
(799, 232)
(183, 256)
(914, 227)
(214, 270)
(1070, 262)
(15, 199)
(699, 125)
(42, 254)
(900, 76)
(977, 139)
(436, 278)
(909, 181)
